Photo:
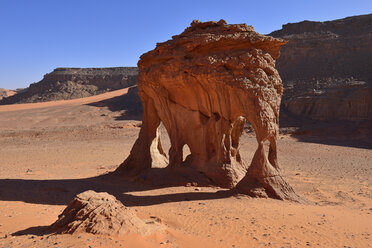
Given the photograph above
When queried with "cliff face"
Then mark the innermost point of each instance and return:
(326, 68)
(349, 102)
(70, 83)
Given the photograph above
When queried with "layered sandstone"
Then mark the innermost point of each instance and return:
(350, 101)
(203, 85)
(71, 83)
(326, 68)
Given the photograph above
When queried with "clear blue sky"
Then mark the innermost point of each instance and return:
(40, 35)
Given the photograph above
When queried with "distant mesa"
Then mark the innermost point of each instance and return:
(326, 68)
(71, 83)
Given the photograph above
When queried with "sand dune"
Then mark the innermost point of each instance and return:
(74, 102)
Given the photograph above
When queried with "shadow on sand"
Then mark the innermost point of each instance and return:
(62, 191)
(35, 230)
(129, 103)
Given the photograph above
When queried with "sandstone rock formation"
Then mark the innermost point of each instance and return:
(203, 85)
(70, 83)
(101, 213)
(6, 93)
(326, 68)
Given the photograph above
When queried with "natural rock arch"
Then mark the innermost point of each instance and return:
(202, 85)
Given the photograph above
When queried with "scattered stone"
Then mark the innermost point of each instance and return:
(156, 219)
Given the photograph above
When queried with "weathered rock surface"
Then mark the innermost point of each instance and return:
(326, 68)
(203, 85)
(6, 93)
(101, 213)
(70, 83)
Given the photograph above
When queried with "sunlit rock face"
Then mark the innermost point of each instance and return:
(203, 85)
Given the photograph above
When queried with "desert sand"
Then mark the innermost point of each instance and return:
(50, 152)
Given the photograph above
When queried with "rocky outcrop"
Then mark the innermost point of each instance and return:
(325, 67)
(351, 101)
(203, 85)
(6, 93)
(101, 213)
(70, 83)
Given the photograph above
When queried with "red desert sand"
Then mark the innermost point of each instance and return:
(50, 152)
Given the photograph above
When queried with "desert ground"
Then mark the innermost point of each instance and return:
(49, 152)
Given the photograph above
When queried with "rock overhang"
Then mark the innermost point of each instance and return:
(204, 38)
(203, 85)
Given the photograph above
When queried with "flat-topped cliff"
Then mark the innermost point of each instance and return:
(326, 68)
(70, 83)
(339, 48)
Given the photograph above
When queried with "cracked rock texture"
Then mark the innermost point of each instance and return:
(203, 85)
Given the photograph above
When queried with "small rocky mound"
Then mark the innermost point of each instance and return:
(72, 83)
(101, 213)
(6, 93)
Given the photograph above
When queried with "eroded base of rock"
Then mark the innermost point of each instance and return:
(272, 186)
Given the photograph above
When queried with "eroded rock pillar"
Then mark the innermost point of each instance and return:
(147, 149)
(264, 177)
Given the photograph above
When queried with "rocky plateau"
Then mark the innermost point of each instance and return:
(71, 83)
(326, 68)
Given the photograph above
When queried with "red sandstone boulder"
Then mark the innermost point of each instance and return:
(101, 213)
